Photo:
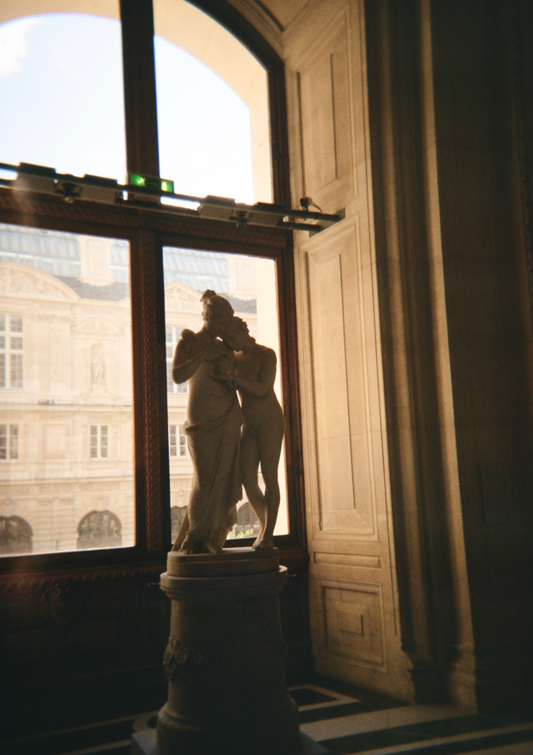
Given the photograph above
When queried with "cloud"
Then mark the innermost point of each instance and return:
(13, 45)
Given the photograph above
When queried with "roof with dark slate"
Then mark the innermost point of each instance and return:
(58, 254)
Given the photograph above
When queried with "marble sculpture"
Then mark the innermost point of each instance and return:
(217, 361)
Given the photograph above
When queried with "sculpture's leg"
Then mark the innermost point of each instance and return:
(272, 500)
(269, 440)
(249, 470)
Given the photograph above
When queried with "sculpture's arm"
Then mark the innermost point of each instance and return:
(266, 379)
(186, 362)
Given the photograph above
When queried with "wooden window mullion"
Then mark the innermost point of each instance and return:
(139, 86)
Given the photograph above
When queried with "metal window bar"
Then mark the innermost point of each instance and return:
(41, 179)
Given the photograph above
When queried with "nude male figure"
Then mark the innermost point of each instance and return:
(264, 425)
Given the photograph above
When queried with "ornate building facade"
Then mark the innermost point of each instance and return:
(66, 422)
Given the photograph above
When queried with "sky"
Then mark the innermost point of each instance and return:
(61, 105)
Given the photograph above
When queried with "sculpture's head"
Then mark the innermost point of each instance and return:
(236, 335)
(217, 312)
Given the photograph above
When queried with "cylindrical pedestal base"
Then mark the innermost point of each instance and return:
(225, 661)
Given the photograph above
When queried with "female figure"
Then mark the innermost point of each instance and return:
(213, 430)
(264, 424)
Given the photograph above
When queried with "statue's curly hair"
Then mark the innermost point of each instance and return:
(239, 324)
(215, 306)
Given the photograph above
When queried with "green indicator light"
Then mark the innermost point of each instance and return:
(156, 184)
(136, 180)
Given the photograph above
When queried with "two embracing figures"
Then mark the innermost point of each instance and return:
(217, 361)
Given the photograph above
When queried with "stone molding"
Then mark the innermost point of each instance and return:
(222, 589)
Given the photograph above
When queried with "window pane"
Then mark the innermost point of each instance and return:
(103, 441)
(250, 285)
(183, 441)
(173, 447)
(16, 323)
(61, 91)
(3, 441)
(94, 442)
(66, 419)
(212, 107)
(16, 371)
(13, 441)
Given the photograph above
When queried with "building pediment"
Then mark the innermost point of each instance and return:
(97, 326)
(21, 280)
(179, 297)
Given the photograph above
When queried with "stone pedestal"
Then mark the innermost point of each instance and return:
(225, 661)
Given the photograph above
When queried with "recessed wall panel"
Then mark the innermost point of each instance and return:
(353, 622)
(346, 497)
(326, 108)
(331, 393)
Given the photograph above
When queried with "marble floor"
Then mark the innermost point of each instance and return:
(341, 719)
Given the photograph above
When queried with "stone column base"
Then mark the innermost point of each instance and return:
(225, 660)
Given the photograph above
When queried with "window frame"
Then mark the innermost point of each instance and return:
(11, 434)
(101, 448)
(148, 232)
(177, 441)
(10, 354)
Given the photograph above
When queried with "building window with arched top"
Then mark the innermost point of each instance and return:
(93, 294)
(15, 535)
(247, 522)
(99, 529)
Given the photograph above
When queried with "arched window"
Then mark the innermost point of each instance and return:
(15, 535)
(247, 522)
(99, 529)
(205, 104)
(108, 274)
